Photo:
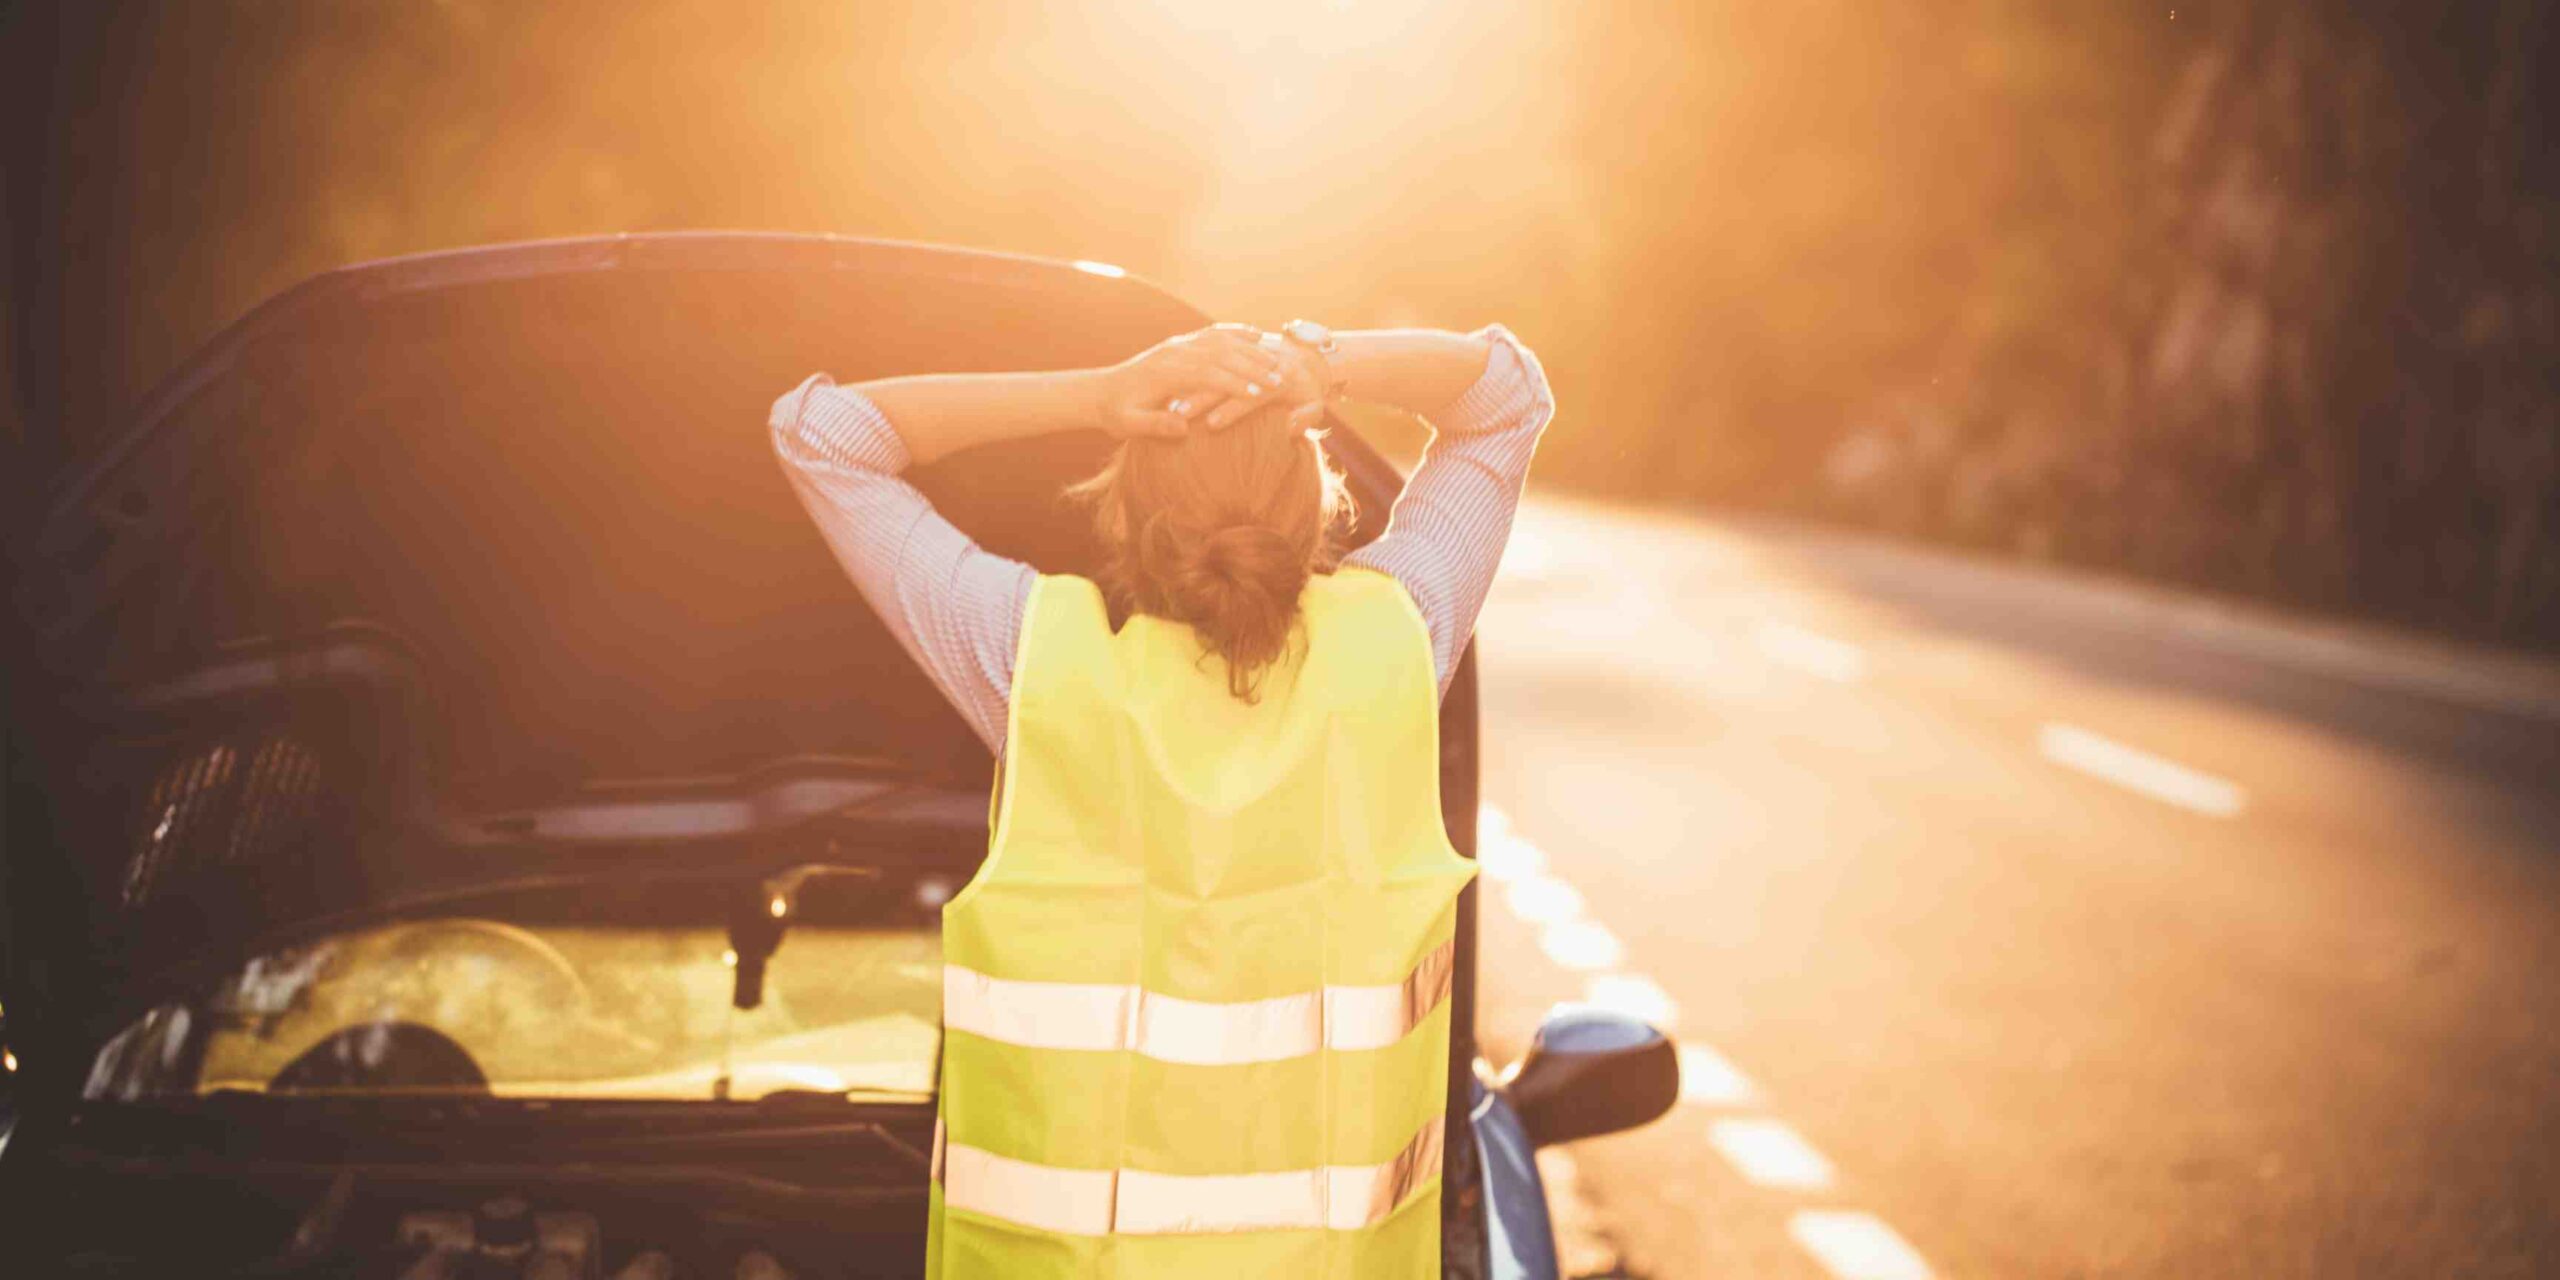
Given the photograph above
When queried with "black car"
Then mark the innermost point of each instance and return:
(464, 823)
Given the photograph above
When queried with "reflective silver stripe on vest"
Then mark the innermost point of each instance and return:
(1097, 1202)
(1072, 1015)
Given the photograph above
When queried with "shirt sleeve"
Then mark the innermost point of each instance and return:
(956, 609)
(1445, 534)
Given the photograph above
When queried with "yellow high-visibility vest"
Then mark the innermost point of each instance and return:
(1196, 1003)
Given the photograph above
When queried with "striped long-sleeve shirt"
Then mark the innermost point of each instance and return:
(958, 609)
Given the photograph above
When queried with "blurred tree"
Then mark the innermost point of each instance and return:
(2341, 389)
(2257, 296)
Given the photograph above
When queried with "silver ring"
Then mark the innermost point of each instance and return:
(1179, 405)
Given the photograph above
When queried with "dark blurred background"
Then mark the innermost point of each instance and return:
(2253, 296)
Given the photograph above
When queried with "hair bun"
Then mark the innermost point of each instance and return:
(1239, 582)
(1252, 555)
(1219, 531)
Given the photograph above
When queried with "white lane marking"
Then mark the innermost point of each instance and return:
(1853, 1246)
(1834, 660)
(1856, 1246)
(1581, 945)
(2161, 779)
(1634, 995)
(1770, 1154)
(1507, 857)
(1705, 1077)
(1543, 899)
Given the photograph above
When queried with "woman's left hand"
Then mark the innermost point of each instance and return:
(1295, 377)
(1211, 376)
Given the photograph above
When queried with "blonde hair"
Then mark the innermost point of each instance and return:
(1221, 529)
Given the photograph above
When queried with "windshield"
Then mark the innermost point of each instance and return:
(569, 997)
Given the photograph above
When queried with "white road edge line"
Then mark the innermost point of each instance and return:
(1505, 858)
(1707, 1078)
(1856, 1246)
(1852, 1246)
(1834, 660)
(1544, 900)
(2137, 770)
(1583, 946)
(1770, 1154)
(1502, 853)
(1636, 996)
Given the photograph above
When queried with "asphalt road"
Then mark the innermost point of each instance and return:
(2030, 926)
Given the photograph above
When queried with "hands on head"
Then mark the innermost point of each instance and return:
(1207, 379)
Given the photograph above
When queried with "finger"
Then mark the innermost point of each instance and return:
(1263, 349)
(1217, 338)
(1225, 415)
(1200, 400)
(1258, 368)
(1157, 422)
(1206, 371)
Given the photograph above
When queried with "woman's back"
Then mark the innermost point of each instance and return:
(1196, 1000)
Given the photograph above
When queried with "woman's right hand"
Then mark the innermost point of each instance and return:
(1207, 377)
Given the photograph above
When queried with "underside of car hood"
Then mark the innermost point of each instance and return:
(546, 467)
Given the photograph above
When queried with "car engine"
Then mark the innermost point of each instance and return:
(210, 1232)
(506, 1238)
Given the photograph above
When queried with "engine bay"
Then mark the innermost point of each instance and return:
(807, 1188)
(508, 1238)
(394, 1232)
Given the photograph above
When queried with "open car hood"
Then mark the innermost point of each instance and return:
(546, 467)
(431, 559)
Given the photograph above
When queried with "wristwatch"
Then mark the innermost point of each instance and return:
(1319, 342)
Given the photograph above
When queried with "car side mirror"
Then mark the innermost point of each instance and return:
(1590, 1072)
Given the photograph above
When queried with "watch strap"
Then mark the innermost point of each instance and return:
(1319, 342)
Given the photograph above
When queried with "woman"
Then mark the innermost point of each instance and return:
(1195, 1002)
